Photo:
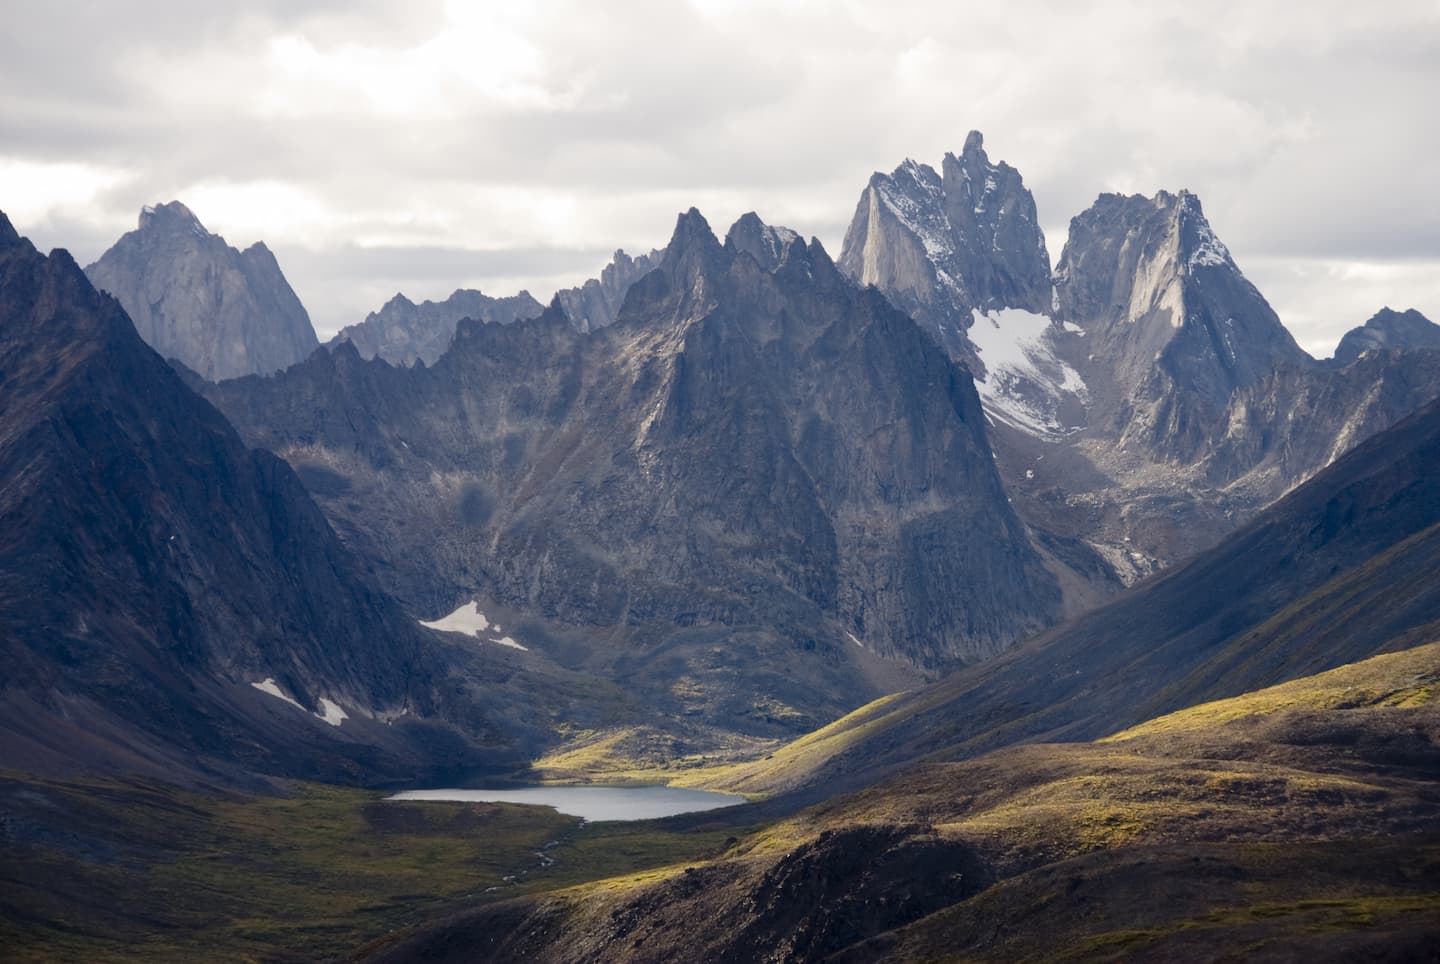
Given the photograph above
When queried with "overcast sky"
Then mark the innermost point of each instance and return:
(421, 146)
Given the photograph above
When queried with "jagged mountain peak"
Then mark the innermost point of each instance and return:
(767, 244)
(170, 216)
(8, 234)
(943, 245)
(192, 296)
(694, 253)
(691, 232)
(1388, 330)
(1172, 326)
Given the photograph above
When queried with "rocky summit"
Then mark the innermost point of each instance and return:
(945, 245)
(761, 481)
(172, 602)
(403, 332)
(1388, 330)
(1171, 327)
(1145, 399)
(223, 313)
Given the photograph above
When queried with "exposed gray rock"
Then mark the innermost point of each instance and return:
(752, 483)
(1156, 402)
(763, 242)
(223, 312)
(152, 568)
(1386, 331)
(1171, 326)
(402, 331)
(594, 304)
(942, 246)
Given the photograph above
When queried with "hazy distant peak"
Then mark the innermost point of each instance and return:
(170, 216)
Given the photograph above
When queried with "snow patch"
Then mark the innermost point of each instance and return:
(507, 641)
(271, 688)
(468, 619)
(1025, 380)
(331, 712)
(1209, 250)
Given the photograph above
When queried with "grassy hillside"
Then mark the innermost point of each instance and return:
(1308, 811)
(1340, 570)
(110, 870)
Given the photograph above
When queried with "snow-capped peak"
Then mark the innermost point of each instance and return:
(1025, 382)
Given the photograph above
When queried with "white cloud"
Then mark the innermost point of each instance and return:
(562, 126)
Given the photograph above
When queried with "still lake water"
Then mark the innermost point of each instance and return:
(593, 803)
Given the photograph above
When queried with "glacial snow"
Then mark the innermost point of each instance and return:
(331, 711)
(272, 688)
(1024, 379)
(470, 621)
(508, 641)
(332, 714)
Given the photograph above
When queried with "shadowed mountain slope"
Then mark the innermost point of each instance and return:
(757, 481)
(1337, 571)
(174, 603)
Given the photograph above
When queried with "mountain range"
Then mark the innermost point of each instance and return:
(1038, 612)
(175, 604)
(1142, 397)
(1240, 753)
(757, 465)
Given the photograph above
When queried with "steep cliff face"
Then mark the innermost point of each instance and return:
(1171, 327)
(1153, 401)
(1388, 330)
(594, 304)
(962, 252)
(944, 245)
(172, 601)
(403, 332)
(222, 312)
(755, 480)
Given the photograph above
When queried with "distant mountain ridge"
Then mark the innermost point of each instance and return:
(1388, 330)
(174, 603)
(757, 465)
(1145, 399)
(595, 304)
(222, 312)
(403, 332)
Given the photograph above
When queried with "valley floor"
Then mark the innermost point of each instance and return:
(121, 871)
(1297, 822)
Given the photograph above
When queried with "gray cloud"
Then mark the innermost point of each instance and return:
(546, 134)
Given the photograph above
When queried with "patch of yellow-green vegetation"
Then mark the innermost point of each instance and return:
(637, 756)
(1109, 943)
(624, 883)
(794, 762)
(632, 756)
(145, 871)
(1394, 680)
(1073, 827)
(1320, 915)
